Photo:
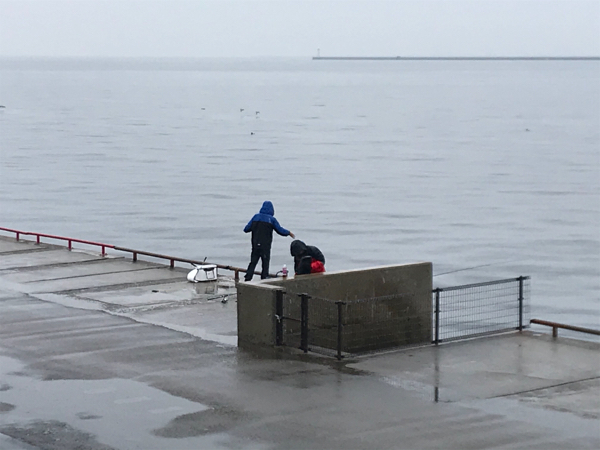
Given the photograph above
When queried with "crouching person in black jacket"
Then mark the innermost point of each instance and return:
(307, 258)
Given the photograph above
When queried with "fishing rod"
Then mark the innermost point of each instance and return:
(477, 267)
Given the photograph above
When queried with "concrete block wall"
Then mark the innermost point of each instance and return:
(403, 318)
(256, 314)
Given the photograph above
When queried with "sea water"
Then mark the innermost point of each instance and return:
(488, 169)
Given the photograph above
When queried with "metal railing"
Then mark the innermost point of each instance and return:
(481, 308)
(354, 326)
(70, 241)
(173, 259)
(338, 328)
(555, 326)
(135, 253)
(325, 334)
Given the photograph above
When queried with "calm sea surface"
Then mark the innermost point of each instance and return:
(489, 169)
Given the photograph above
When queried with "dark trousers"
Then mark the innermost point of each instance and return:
(262, 253)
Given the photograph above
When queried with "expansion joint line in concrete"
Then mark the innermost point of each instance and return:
(65, 264)
(89, 275)
(22, 252)
(546, 387)
(114, 287)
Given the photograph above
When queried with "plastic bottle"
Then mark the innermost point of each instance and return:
(284, 271)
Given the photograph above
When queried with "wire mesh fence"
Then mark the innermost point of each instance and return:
(482, 308)
(337, 327)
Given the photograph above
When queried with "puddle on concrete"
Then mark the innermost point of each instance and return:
(53, 435)
(157, 294)
(156, 312)
(72, 302)
(201, 333)
(214, 420)
(421, 390)
(581, 398)
(104, 414)
(565, 423)
(5, 407)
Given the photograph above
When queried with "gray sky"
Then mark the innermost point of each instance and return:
(208, 28)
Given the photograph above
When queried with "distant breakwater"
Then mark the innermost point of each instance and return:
(457, 58)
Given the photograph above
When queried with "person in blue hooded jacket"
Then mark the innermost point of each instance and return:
(262, 225)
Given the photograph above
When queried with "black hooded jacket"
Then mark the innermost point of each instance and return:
(303, 255)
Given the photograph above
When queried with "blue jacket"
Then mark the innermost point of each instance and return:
(262, 226)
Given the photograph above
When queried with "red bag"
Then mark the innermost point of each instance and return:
(316, 266)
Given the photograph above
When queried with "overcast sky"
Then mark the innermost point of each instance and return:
(208, 28)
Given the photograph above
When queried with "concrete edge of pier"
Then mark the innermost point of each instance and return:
(78, 315)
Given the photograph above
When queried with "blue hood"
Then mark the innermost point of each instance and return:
(267, 208)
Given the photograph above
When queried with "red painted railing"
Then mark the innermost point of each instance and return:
(173, 259)
(60, 238)
(135, 253)
(555, 326)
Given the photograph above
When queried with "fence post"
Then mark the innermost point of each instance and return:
(437, 316)
(304, 322)
(340, 326)
(520, 279)
(279, 317)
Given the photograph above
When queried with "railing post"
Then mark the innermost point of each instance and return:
(437, 316)
(172, 264)
(37, 239)
(237, 275)
(70, 244)
(520, 302)
(304, 322)
(134, 256)
(278, 316)
(340, 328)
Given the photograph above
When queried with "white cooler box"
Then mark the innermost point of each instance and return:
(205, 272)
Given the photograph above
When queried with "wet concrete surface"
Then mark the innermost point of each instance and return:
(137, 364)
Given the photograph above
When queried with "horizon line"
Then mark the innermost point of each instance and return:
(537, 57)
(459, 58)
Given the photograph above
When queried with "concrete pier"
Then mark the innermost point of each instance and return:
(103, 353)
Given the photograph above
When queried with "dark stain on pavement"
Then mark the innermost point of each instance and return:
(214, 420)
(53, 435)
(5, 407)
(88, 416)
